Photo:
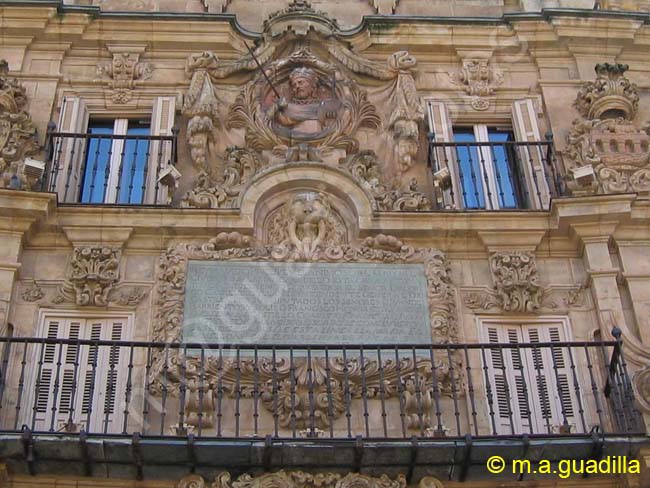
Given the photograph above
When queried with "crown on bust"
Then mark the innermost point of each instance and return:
(303, 72)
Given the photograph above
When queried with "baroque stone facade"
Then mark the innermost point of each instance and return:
(277, 132)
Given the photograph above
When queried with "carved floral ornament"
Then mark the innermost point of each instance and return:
(517, 288)
(17, 133)
(92, 280)
(311, 111)
(308, 230)
(123, 74)
(478, 78)
(300, 479)
(607, 152)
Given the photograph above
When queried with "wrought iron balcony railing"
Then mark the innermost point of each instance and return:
(98, 168)
(495, 175)
(336, 392)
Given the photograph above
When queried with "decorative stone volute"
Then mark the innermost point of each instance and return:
(201, 106)
(406, 109)
(611, 95)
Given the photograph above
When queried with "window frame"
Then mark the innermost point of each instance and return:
(490, 188)
(75, 112)
(564, 323)
(121, 127)
(44, 317)
(523, 121)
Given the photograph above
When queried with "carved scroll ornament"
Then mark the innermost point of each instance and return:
(300, 479)
(641, 384)
(201, 106)
(516, 281)
(17, 133)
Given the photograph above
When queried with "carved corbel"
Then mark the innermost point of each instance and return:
(478, 79)
(123, 74)
(201, 106)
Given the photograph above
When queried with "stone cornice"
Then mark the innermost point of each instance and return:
(625, 23)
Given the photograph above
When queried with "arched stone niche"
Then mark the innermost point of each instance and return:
(350, 204)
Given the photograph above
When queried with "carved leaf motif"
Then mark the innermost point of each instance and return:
(93, 273)
(516, 281)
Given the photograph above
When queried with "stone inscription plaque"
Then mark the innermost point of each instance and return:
(305, 303)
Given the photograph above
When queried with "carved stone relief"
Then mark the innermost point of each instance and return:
(310, 104)
(93, 272)
(479, 80)
(92, 280)
(201, 106)
(306, 222)
(17, 134)
(299, 479)
(33, 293)
(123, 74)
(517, 288)
(516, 281)
(607, 152)
(305, 229)
(406, 109)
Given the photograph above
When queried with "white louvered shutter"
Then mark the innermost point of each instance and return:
(549, 371)
(69, 153)
(536, 385)
(107, 389)
(96, 392)
(444, 158)
(55, 385)
(526, 129)
(160, 152)
(506, 372)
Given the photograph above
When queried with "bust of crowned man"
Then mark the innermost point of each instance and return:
(307, 112)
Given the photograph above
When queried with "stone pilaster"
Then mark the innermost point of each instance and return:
(20, 211)
(602, 274)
